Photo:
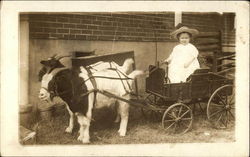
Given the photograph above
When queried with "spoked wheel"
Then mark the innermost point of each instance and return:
(177, 119)
(152, 115)
(220, 107)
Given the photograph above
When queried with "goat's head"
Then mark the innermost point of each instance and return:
(48, 82)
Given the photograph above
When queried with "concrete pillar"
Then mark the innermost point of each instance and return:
(177, 18)
(24, 60)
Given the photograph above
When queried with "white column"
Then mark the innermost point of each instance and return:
(24, 60)
(177, 18)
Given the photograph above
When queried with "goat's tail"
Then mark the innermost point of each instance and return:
(126, 65)
(135, 73)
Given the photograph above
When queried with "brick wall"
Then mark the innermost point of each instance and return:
(204, 22)
(102, 26)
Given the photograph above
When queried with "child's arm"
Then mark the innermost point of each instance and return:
(193, 55)
(189, 62)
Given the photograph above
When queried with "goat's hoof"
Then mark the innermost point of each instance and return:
(80, 138)
(121, 133)
(69, 130)
(83, 140)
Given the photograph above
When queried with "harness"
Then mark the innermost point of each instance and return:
(121, 76)
(91, 78)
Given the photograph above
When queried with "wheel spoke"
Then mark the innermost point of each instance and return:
(219, 118)
(180, 111)
(184, 114)
(213, 104)
(226, 120)
(223, 123)
(170, 125)
(170, 120)
(231, 114)
(215, 113)
(171, 116)
(186, 119)
(221, 99)
(175, 127)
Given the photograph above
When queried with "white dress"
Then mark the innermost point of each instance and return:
(181, 55)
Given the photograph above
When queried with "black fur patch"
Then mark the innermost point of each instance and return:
(69, 86)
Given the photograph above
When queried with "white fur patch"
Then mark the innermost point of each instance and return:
(45, 80)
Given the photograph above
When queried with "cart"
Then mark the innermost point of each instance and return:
(172, 101)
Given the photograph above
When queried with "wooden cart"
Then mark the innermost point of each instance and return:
(172, 100)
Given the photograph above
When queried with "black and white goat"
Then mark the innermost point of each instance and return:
(78, 89)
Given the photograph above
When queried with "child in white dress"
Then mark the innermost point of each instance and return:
(183, 59)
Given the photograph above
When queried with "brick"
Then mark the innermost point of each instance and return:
(106, 28)
(108, 32)
(101, 18)
(62, 19)
(105, 38)
(36, 24)
(86, 31)
(50, 30)
(57, 36)
(62, 30)
(81, 37)
(92, 37)
(97, 32)
(81, 26)
(97, 22)
(70, 37)
(92, 27)
(90, 17)
(86, 21)
(107, 23)
(57, 25)
(48, 18)
(75, 31)
(74, 20)
(35, 29)
(69, 25)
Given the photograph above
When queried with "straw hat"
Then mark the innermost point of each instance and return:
(183, 29)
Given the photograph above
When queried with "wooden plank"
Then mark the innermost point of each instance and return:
(208, 34)
(208, 47)
(206, 41)
(226, 57)
(226, 70)
(227, 64)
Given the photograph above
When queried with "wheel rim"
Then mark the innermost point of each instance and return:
(221, 107)
(177, 119)
(151, 114)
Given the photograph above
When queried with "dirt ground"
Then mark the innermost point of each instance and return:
(140, 131)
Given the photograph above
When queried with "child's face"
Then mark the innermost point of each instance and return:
(184, 38)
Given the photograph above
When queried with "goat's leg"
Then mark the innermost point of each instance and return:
(118, 116)
(71, 121)
(124, 112)
(84, 128)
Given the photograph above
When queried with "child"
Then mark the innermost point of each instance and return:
(183, 59)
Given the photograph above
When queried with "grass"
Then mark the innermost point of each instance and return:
(140, 131)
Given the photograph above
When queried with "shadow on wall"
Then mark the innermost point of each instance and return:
(42, 49)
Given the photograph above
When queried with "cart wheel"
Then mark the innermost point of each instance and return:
(177, 119)
(220, 107)
(151, 114)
